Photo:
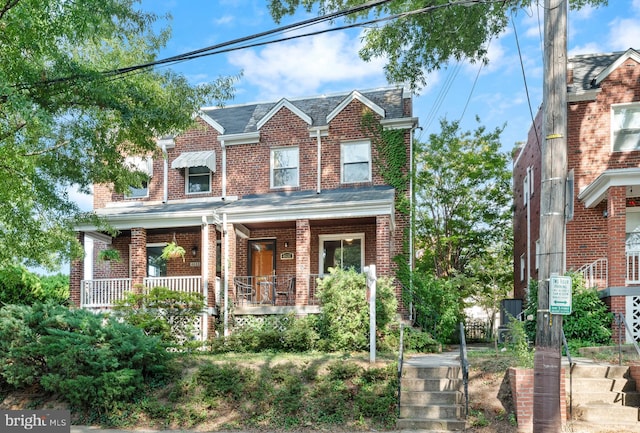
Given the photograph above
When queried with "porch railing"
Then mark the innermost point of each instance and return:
(190, 284)
(595, 274)
(103, 293)
(633, 267)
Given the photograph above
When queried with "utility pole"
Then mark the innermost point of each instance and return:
(547, 360)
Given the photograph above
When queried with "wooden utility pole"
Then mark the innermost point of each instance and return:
(547, 360)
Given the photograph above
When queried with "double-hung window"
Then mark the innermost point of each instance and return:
(198, 179)
(625, 127)
(145, 165)
(355, 158)
(284, 167)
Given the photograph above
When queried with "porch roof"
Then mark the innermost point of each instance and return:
(596, 191)
(271, 207)
(328, 204)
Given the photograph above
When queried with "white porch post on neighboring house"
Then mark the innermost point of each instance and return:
(204, 267)
(225, 267)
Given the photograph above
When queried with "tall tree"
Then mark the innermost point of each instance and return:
(418, 43)
(463, 191)
(69, 115)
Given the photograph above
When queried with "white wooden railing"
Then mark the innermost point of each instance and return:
(103, 293)
(191, 284)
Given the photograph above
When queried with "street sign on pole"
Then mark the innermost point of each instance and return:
(560, 300)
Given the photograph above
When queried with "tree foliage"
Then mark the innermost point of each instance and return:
(18, 285)
(69, 115)
(463, 189)
(419, 43)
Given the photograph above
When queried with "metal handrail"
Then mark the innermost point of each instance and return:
(622, 322)
(464, 365)
(566, 346)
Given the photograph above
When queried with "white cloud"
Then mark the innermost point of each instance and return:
(308, 66)
(84, 201)
(624, 33)
(225, 19)
(587, 48)
(635, 4)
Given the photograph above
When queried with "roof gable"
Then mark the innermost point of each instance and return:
(353, 96)
(215, 125)
(629, 54)
(284, 103)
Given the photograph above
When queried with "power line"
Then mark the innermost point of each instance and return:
(228, 46)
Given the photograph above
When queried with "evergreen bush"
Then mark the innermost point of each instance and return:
(92, 361)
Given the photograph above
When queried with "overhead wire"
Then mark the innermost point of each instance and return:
(228, 46)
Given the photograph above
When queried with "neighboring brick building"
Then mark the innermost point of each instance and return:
(296, 186)
(603, 150)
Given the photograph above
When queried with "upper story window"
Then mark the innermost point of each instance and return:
(144, 165)
(198, 179)
(284, 167)
(625, 127)
(355, 158)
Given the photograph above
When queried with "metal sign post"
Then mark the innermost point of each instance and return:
(370, 271)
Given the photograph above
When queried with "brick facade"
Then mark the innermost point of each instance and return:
(596, 85)
(242, 183)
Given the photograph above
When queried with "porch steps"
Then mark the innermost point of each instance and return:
(604, 395)
(431, 398)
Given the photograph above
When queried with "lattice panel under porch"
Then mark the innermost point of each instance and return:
(633, 316)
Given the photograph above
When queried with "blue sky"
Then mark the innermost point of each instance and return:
(329, 63)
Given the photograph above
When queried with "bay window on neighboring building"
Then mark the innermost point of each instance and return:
(342, 251)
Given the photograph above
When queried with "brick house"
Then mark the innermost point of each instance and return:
(603, 150)
(264, 198)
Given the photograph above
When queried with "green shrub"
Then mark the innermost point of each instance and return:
(171, 315)
(55, 288)
(228, 381)
(589, 323)
(438, 309)
(92, 361)
(301, 335)
(344, 317)
(19, 286)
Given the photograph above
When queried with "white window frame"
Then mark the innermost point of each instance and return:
(538, 252)
(525, 189)
(273, 168)
(188, 175)
(343, 163)
(144, 164)
(339, 237)
(615, 108)
(523, 264)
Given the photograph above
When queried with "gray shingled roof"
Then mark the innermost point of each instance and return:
(586, 68)
(240, 119)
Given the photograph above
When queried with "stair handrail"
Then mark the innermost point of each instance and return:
(400, 362)
(566, 347)
(464, 365)
(622, 322)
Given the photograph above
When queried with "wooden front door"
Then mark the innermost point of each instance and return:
(262, 268)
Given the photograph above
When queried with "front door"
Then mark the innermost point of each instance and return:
(262, 268)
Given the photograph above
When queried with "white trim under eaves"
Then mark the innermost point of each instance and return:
(208, 120)
(245, 138)
(353, 96)
(259, 214)
(629, 54)
(155, 221)
(596, 191)
(583, 95)
(400, 123)
(289, 106)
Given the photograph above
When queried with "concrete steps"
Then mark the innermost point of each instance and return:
(603, 395)
(431, 399)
